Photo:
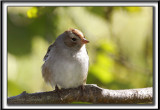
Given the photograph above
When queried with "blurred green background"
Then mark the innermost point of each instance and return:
(120, 47)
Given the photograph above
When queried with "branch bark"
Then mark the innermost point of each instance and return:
(91, 93)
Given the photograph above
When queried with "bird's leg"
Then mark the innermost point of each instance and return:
(58, 91)
(82, 88)
(56, 88)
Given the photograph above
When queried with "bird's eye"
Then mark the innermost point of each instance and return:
(74, 39)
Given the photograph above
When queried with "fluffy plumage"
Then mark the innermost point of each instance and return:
(66, 60)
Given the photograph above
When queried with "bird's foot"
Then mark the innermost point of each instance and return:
(82, 88)
(58, 91)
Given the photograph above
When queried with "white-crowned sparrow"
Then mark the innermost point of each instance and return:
(66, 61)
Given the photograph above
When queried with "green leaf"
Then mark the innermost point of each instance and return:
(14, 89)
(32, 13)
(81, 103)
(133, 9)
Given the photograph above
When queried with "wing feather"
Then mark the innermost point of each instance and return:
(47, 75)
(48, 52)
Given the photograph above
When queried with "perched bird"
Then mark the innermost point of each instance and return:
(66, 61)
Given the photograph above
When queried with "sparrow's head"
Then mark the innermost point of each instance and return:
(74, 39)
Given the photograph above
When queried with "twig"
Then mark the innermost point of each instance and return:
(91, 93)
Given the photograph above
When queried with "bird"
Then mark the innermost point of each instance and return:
(66, 62)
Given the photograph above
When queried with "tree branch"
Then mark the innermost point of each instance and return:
(91, 93)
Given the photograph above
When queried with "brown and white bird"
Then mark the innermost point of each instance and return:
(66, 61)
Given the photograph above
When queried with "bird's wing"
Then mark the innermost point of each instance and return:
(48, 52)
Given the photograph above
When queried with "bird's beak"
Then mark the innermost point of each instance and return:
(85, 41)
